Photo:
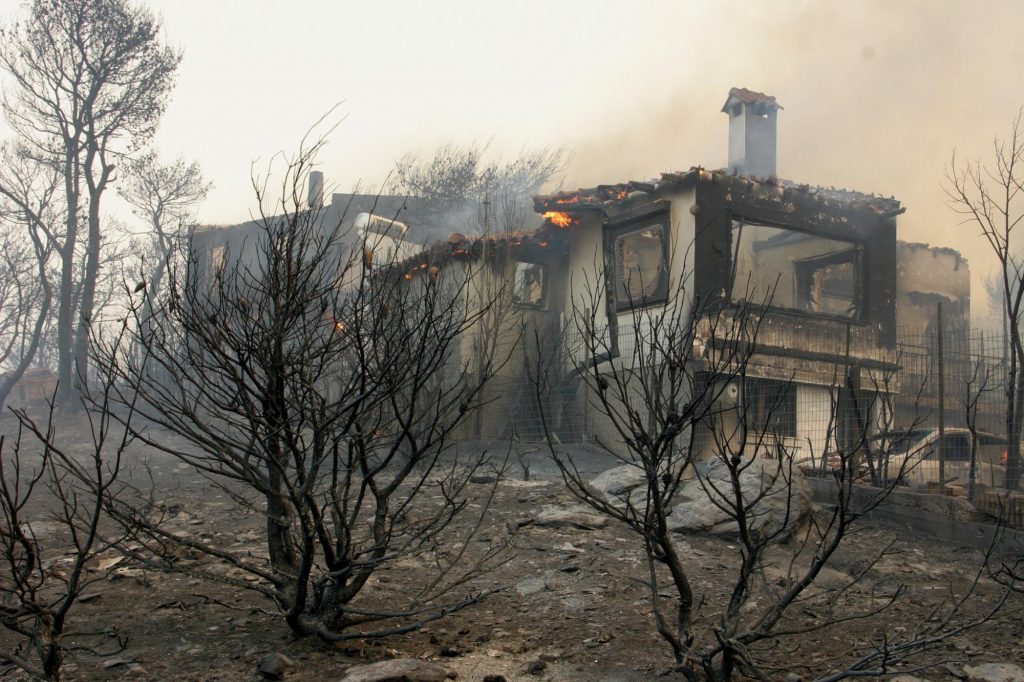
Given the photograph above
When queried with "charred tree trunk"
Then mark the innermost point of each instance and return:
(96, 186)
(65, 305)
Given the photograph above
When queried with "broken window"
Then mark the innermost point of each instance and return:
(641, 266)
(528, 285)
(787, 268)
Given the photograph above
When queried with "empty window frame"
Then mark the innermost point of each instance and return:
(640, 261)
(529, 284)
(770, 407)
(796, 270)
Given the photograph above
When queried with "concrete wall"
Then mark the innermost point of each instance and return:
(925, 276)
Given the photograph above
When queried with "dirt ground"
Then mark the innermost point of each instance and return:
(574, 607)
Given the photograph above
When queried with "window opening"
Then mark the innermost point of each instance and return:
(641, 267)
(786, 268)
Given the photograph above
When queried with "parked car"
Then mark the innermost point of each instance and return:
(913, 457)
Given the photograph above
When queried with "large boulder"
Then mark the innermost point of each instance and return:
(782, 499)
(615, 484)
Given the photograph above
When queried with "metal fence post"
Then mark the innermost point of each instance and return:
(942, 402)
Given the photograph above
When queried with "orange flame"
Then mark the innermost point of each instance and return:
(559, 218)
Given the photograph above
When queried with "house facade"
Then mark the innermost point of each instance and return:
(820, 271)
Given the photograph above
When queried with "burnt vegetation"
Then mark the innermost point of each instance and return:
(705, 451)
(319, 387)
(340, 385)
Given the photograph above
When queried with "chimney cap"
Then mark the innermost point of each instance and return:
(745, 96)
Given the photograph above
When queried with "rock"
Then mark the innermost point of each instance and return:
(793, 677)
(907, 678)
(114, 662)
(567, 547)
(955, 671)
(994, 672)
(483, 479)
(784, 504)
(531, 585)
(516, 524)
(616, 483)
(577, 516)
(494, 678)
(397, 670)
(274, 666)
(535, 667)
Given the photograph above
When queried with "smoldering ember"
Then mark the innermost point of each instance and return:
(470, 423)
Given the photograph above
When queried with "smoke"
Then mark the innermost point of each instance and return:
(876, 96)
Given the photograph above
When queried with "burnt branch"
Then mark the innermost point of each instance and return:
(321, 388)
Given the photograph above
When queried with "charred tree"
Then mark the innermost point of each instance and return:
(988, 198)
(320, 387)
(27, 212)
(43, 478)
(90, 80)
(674, 381)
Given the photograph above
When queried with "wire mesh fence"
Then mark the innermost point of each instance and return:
(801, 387)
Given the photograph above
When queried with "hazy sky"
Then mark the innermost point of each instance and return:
(876, 94)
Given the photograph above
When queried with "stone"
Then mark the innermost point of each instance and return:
(536, 667)
(793, 677)
(397, 670)
(616, 483)
(531, 585)
(784, 504)
(567, 547)
(494, 678)
(573, 516)
(115, 662)
(994, 672)
(907, 678)
(274, 666)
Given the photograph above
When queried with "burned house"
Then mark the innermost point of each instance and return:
(379, 222)
(820, 268)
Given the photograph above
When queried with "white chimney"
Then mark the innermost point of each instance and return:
(316, 189)
(752, 127)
